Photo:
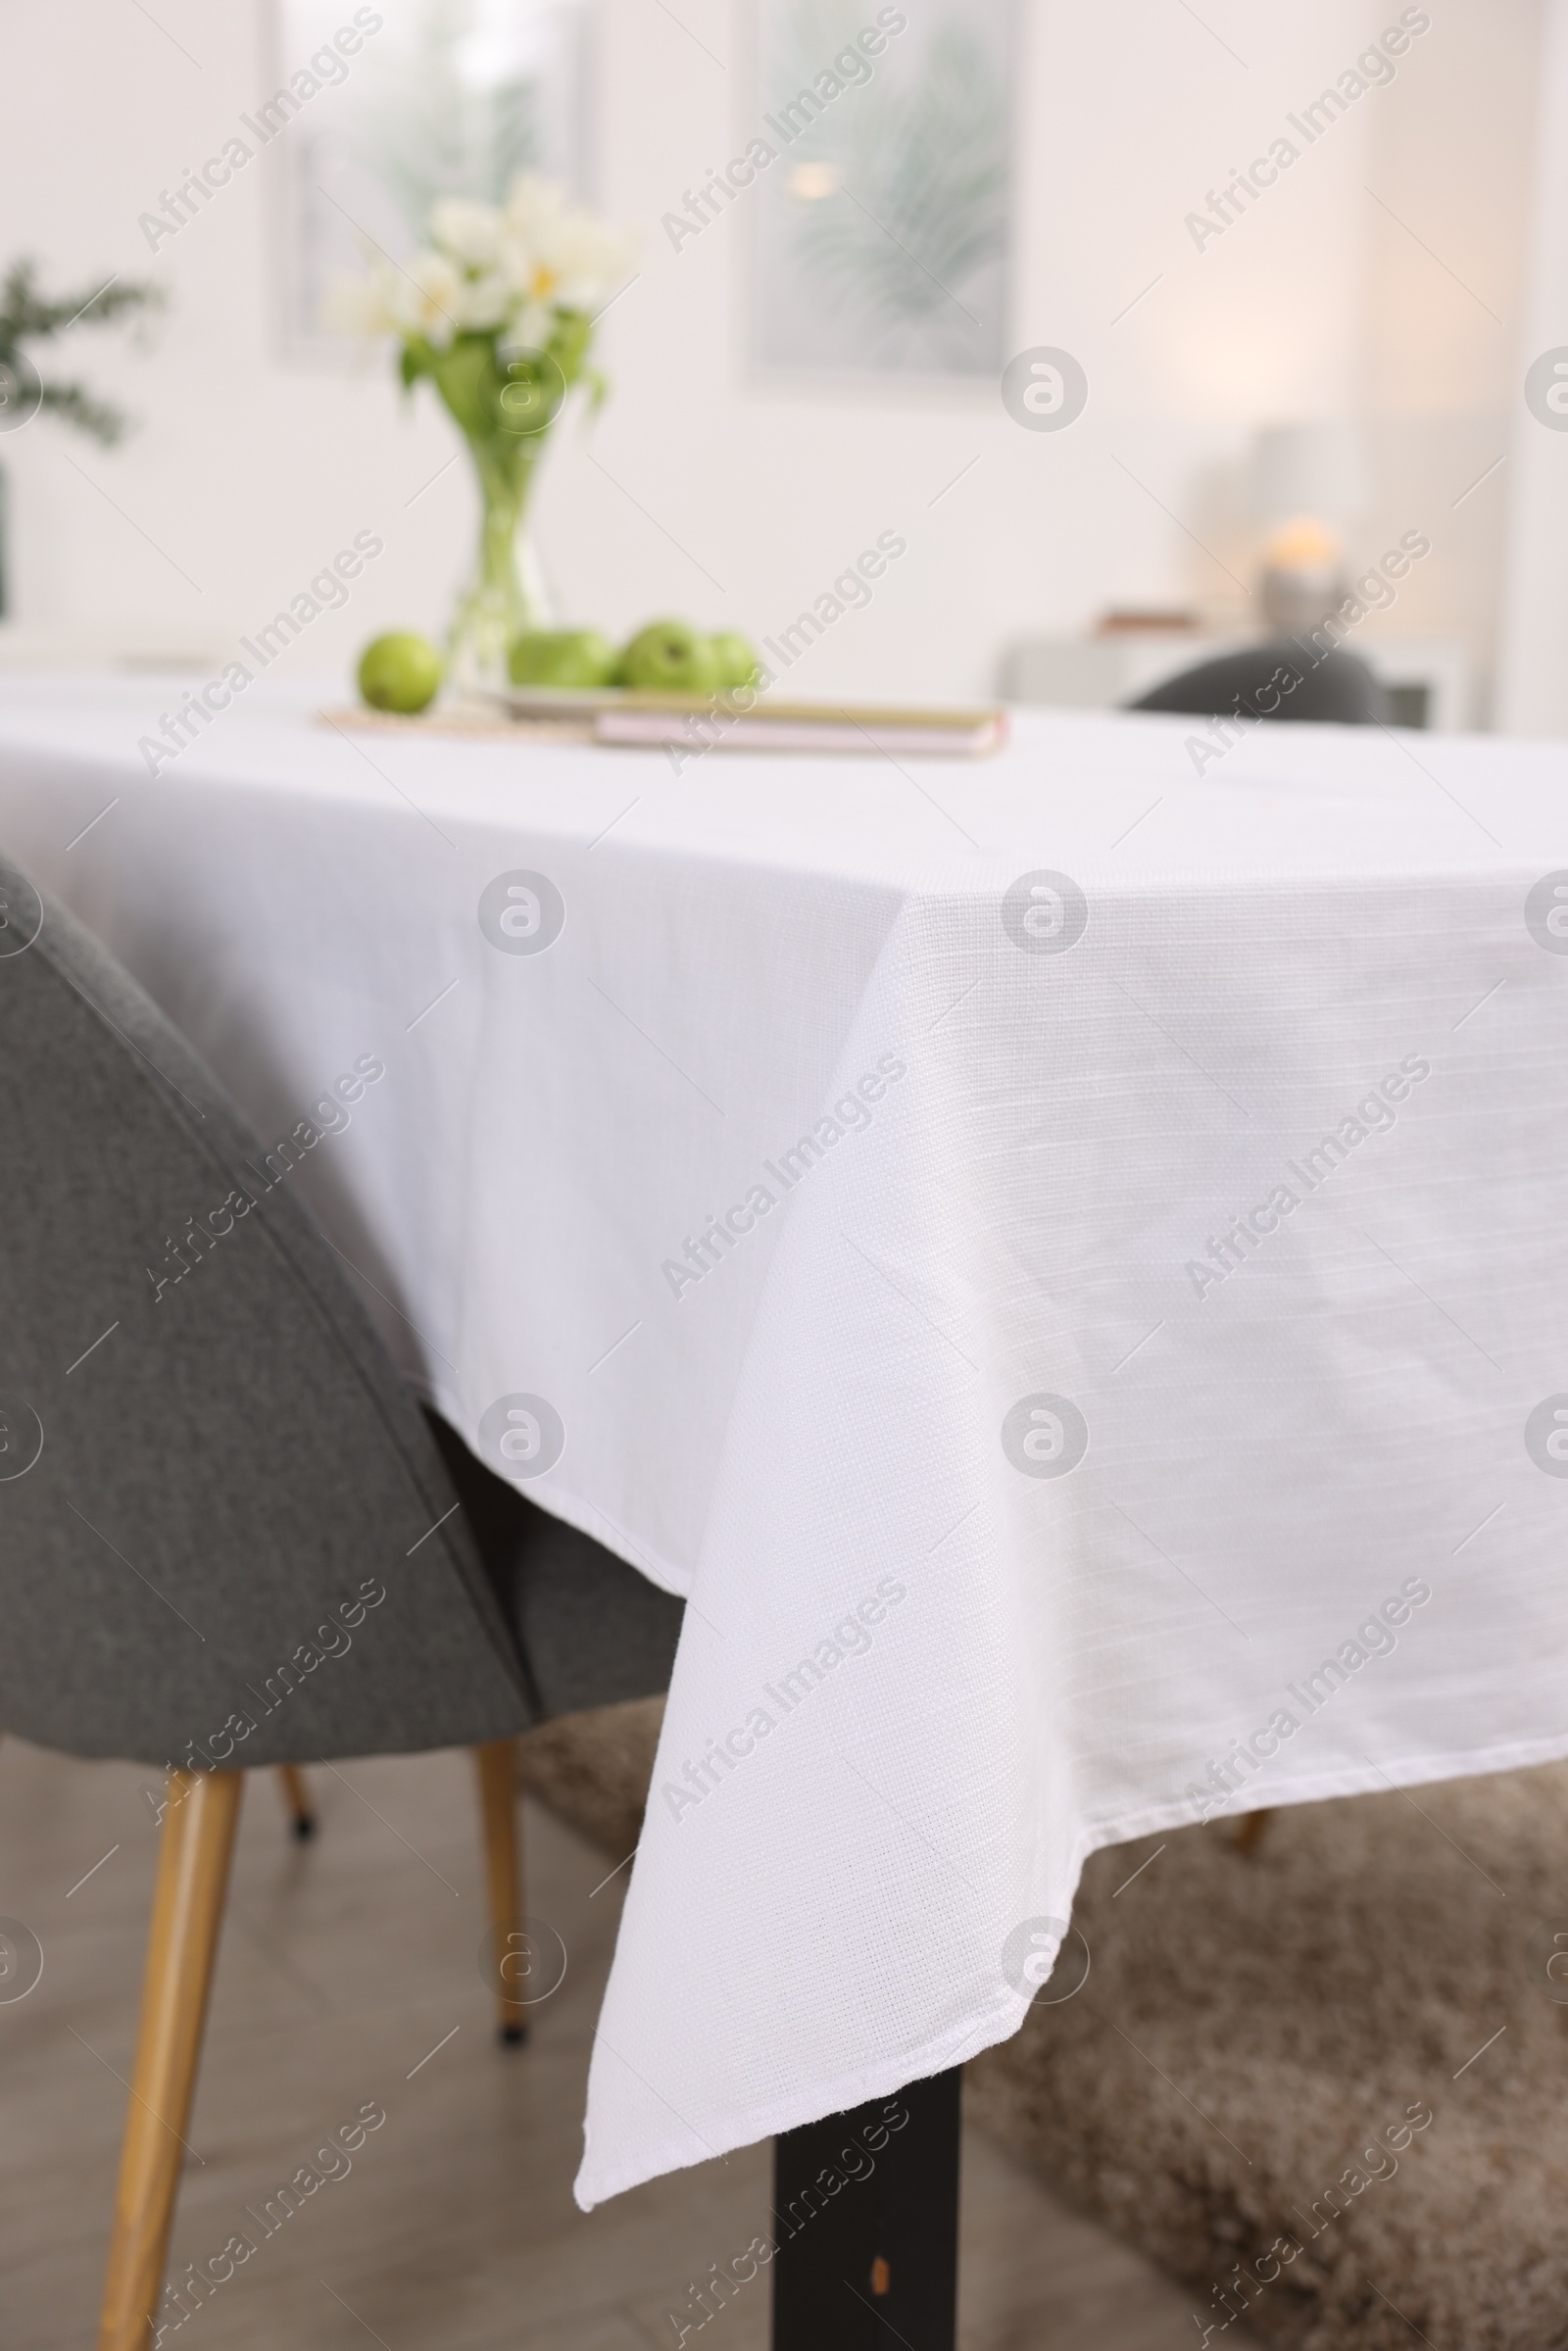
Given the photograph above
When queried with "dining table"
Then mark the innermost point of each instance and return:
(1058, 1260)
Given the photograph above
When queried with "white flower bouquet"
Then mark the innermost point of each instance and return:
(498, 313)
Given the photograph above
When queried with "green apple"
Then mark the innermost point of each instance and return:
(739, 664)
(560, 657)
(671, 656)
(400, 673)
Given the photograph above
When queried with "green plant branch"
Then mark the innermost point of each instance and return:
(27, 316)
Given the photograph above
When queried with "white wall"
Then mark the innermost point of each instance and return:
(703, 492)
(1533, 684)
(1447, 276)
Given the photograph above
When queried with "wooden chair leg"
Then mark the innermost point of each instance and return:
(297, 1799)
(198, 1840)
(497, 1766)
(1247, 1834)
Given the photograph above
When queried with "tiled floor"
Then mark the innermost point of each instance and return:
(345, 1964)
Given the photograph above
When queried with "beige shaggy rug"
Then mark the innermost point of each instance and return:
(1237, 2088)
(593, 1770)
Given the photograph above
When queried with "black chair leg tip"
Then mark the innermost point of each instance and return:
(512, 2036)
(305, 1825)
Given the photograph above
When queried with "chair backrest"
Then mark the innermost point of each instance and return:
(225, 1530)
(1276, 680)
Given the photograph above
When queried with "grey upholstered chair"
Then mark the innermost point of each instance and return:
(1287, 678)
(228, 1534)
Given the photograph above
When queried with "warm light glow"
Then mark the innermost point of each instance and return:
(1303, 544)
(813, 180)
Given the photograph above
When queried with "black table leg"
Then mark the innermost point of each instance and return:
(865, 2221)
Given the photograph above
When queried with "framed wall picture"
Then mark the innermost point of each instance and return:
(441, 98)
(882, 221)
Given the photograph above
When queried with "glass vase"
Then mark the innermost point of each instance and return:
(506, 593)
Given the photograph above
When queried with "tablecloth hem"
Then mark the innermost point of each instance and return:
(882, 2080)
(569, 1507)
(998, 2022)
(1319, 1788)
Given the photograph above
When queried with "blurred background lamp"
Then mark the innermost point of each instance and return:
(1303, 576)
(1309, 486)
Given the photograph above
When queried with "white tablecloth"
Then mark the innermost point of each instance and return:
(1019, 1496)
